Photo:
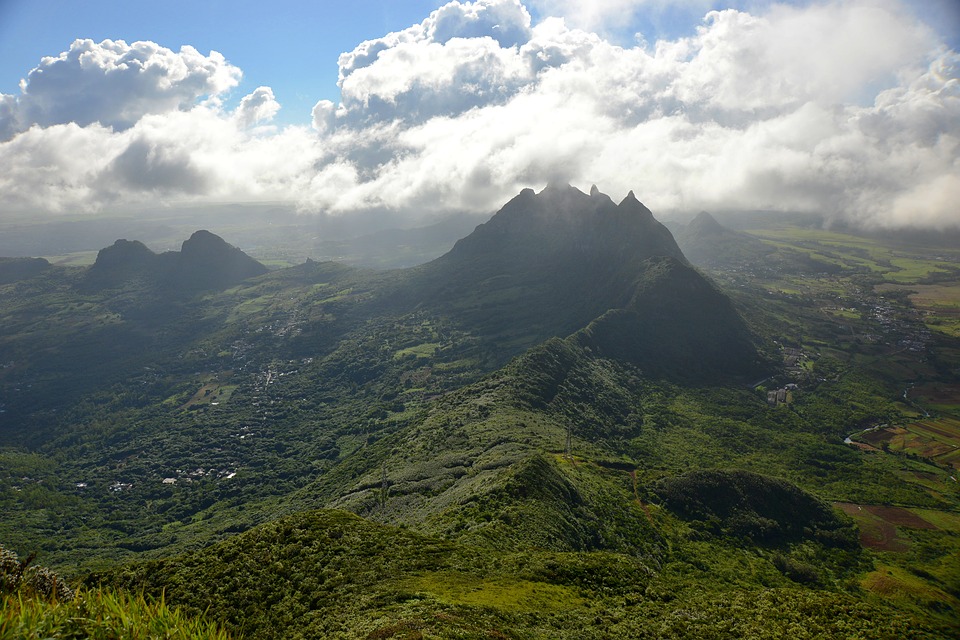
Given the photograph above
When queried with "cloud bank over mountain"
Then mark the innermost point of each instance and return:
(849, 107)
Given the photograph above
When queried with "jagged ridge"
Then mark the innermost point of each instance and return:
(551, 263)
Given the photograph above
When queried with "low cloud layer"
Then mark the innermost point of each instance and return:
(847, 108)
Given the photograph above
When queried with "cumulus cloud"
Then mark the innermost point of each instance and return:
(462, 56)
(114, 84)
(259, 106)
(849, 108)
(830, 107)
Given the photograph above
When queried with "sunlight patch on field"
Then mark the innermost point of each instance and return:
(213, 392)
(501, 593)
(895, 583)
(426, 350)
(897, 264)
(78, 259)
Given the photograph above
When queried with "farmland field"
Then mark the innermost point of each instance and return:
(937, 439)
(880, 525)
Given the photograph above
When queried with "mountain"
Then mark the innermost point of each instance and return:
(679, 326)
(564, 226)
(546, 265)
(125, 260)
(205, 261)
(550, 263)
(707, 243)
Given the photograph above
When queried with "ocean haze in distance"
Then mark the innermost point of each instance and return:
(849, 110)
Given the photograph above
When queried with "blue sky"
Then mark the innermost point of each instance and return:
(292, 46)
(850, 108)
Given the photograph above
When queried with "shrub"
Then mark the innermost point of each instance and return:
(17, 576)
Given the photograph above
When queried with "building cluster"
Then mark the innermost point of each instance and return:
(781, 395)
(198, 473)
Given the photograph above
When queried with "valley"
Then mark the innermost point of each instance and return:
(559, 428)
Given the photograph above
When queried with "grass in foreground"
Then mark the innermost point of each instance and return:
(100, 615)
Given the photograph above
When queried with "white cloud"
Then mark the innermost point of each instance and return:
(462, 56)
(114, 84)
(505, 21)
(259, 106)
(55, 168)
(849, 108)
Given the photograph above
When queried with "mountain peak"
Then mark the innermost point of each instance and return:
(207, 261)
(547, 264)
(557, 185)
(202, 235)
(632, 205)
(562, 222)
(203, 241)
(705, 223)
(123, 256)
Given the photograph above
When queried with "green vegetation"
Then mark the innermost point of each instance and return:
(37, 603)
(100, 615)
(334, 575)
(522, 439)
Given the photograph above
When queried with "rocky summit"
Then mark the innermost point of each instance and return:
(551, 263)
(205, 261)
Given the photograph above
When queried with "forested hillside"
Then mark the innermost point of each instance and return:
(560, 428)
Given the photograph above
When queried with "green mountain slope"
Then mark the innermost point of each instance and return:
(333, 575)
(556, 408)
(545, 265)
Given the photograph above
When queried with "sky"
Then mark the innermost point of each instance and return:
(849, 108)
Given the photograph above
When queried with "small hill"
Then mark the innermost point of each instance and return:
(16, 269)
(766, 510)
